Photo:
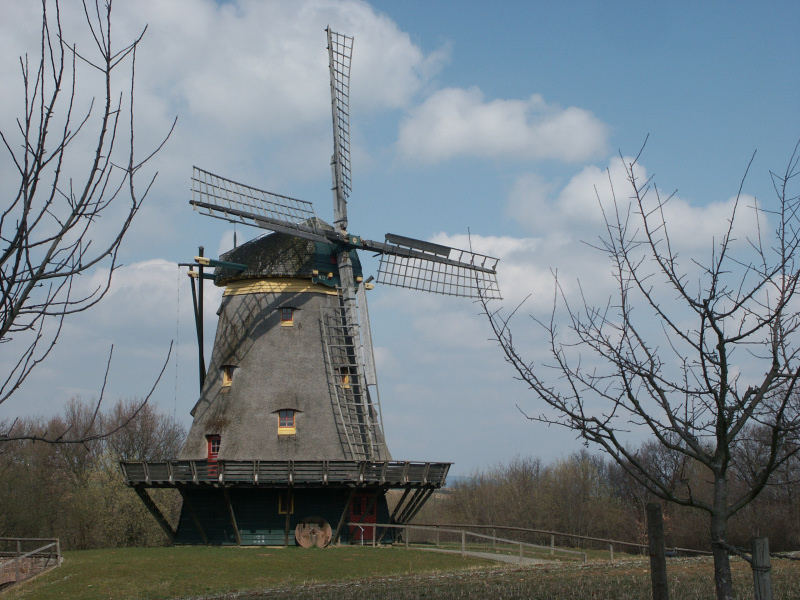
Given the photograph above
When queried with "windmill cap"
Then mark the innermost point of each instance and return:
(283, 255)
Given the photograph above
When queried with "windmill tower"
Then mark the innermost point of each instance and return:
(287, 433)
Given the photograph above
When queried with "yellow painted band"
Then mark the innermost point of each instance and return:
(276, 286)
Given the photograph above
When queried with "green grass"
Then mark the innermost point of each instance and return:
(357, 573)
(187, 571)
(689, 579)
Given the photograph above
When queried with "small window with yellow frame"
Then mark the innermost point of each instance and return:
(286, 422)
(287, 316)
(227, 375)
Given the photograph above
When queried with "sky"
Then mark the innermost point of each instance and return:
(495, 119)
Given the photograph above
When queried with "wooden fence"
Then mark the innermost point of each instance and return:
(554, 535)
(461, 539)
(19, 562)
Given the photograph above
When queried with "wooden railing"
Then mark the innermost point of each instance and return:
(611, 543)
(18, 564)
(464, 540)
(286, 472)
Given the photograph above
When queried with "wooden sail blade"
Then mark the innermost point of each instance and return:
(420, 265)
(340, 52)
(236, 202)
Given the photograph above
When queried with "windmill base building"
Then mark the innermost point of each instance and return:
(286, 444)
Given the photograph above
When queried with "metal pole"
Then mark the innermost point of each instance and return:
(200, 322)
(552, 545)
(494, 540)
(437, 536)
(374, 534)
(16, 561)
(520, 553)
(406, 536)
(463, 542)
(611, 551)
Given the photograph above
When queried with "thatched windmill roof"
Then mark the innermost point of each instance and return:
(281, 255)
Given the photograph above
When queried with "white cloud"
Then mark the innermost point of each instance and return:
(263, 67)
(457, 122)
(576, 210)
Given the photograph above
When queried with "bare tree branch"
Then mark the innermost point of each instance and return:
(701, 354)
(60, 226)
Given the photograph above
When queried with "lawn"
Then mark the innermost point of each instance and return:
(192, 571)
(689, 579)
(356, 573)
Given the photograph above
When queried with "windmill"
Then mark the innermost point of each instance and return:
(287, 432)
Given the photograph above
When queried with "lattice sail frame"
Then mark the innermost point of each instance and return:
(417, 273)
(340, 53)
(236, 202)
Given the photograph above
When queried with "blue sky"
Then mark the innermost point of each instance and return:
(497, 118)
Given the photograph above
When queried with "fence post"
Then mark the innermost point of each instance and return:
(658, 561)
(437, 536)
(463, 542)
(17, 561)
(494, 540)
(762, 582)
(374, 534)
(552, 545)
(406, 536)
(520, 553)
(611, 551)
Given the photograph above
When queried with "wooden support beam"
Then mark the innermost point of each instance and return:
(192, 514)
(338, 532)
(399, 505)
(232, 516)
(411, 505)
(420, 503)
(289, 509)
(154, 510)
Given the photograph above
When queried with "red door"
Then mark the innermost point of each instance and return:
(213, 454)
(363, 509)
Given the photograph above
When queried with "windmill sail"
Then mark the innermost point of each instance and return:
(236, 202)
(425, 266)
(340, 52)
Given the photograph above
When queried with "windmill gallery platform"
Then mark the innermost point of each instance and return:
(232, 502)
(287, 440)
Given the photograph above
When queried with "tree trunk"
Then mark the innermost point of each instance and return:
(719, 534)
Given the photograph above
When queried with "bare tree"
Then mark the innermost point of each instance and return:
(698, 353)
(77, 192)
